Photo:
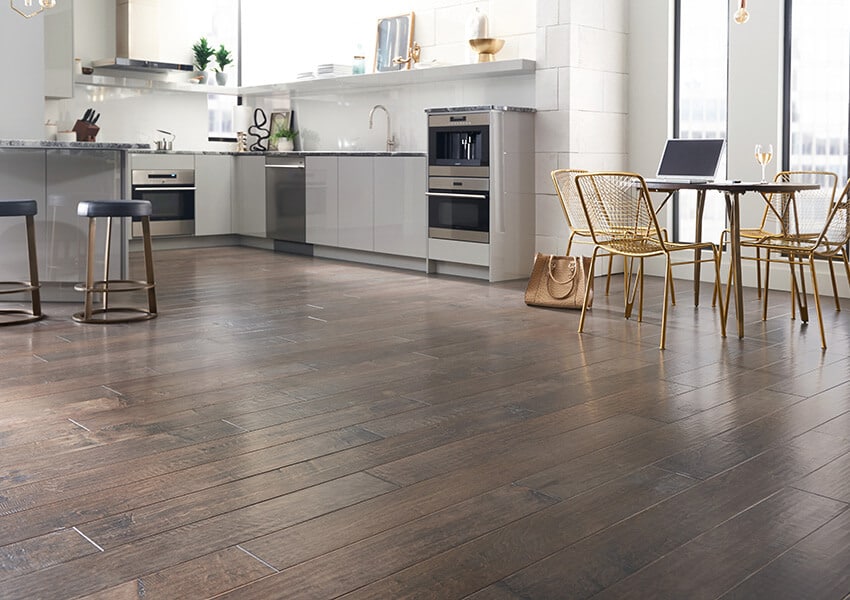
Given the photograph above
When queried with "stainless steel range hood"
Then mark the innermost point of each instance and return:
(137, 40)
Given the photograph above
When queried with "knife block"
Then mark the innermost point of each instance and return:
(86, 132)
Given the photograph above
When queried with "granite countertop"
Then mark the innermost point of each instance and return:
(455, 109)
(146, 149)
(292, 153)
(43, 144)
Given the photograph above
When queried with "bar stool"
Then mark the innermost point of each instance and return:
(115, 208)
(14, 316)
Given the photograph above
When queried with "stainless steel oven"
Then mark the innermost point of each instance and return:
(459, 176)
(459, 208)
(172, 197)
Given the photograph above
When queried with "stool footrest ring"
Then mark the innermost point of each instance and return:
(14, 316)
(114, 286)
(17, 287)
(102, 315)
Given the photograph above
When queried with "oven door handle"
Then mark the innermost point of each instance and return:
(453, 195)
(284, 166)
(164, 189)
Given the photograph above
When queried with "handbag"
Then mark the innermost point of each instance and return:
(559, 281)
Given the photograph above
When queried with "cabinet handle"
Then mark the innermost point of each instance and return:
(453, 195)
(284, 166)
(164, 189)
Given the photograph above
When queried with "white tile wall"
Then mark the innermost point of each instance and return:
(547, 89)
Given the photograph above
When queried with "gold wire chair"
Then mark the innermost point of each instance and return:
(779, 219)
(564, 180)
(815, 232)
(622, 221)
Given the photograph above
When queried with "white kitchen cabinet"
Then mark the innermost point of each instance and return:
(400, 213)
(322, 200)
(59, 50)
(356, 202)
(249, 196)
(213, 183)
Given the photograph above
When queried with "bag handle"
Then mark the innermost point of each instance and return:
(569, 281)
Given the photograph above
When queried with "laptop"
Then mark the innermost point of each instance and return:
(689, 161)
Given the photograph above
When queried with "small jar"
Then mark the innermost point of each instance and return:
(359, 66)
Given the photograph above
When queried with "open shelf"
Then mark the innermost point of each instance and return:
(499, 68)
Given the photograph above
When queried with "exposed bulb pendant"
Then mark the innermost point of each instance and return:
(742, 15)
(27, 11)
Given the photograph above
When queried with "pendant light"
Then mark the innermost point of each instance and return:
(28, 11)
(742, 15)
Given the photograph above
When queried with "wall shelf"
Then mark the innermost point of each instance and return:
(499, 68)
(139, 83)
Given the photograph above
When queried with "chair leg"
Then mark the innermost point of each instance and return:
(803, 298)
(146, 237)
(817, 300)
(667, 276)
(834, 284)
(35, 293)
(107, 250)
(90, 271)
(608, 280)
(758, 271)
(717, 287)
(640, 298)
(587, 291)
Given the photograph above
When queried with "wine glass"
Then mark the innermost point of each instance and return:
(763, 156)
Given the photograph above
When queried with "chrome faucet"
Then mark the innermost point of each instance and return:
(390, 137)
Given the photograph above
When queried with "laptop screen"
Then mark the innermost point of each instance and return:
(691, 158)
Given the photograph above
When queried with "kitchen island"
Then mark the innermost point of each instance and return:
(58, 175)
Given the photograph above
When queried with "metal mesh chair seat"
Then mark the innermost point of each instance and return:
(622, 221)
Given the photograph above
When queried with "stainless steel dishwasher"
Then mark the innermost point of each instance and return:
(286, 204)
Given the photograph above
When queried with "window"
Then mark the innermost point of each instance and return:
(223, 28)
(702, 32)
(817, 67)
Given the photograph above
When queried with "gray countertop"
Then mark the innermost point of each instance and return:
(42, 144)
(146, 149)
(293, 153)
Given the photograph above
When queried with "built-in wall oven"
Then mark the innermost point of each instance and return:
(172, 197)
(459, 176)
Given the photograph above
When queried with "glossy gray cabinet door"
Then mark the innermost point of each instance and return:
(73, 176)
(401, 219)
(249, 196)
(356, 203)
(21, 178)
(213, 180)
(322, 200)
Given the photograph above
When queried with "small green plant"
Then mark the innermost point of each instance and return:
(202, 52)
(282, 131)
(223, 58)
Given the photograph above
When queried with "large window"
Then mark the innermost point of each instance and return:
(222, 27)
(817, 66)
(702, 31)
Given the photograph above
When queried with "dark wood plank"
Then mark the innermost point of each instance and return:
(380, 433)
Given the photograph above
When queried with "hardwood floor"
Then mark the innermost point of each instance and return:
(293, 427)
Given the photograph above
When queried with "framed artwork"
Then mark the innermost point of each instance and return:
(394, 41)
(280, 118)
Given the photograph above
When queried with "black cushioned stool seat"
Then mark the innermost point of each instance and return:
(94, 209)
(15, 316)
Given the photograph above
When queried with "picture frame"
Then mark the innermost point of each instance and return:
(280, 117)
(393, 40)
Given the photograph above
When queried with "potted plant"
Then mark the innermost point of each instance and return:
(223, 58)
(202, 53)
(284, 138)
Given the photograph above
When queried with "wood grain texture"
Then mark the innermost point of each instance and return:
(342, 430)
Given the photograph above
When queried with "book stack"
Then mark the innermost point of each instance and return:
(333, 70)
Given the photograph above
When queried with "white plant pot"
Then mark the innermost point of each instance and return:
(285, 145)
(220, 78)
(201, 76)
